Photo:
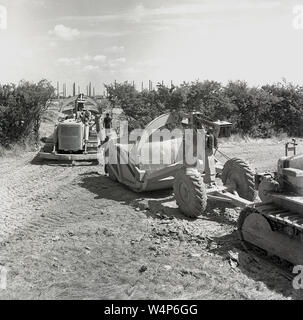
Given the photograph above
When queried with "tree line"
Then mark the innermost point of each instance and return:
(255, 111)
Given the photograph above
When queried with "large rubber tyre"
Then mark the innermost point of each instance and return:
(237, 173)
(190, 192)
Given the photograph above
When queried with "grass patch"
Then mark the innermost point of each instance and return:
(16, 150)
(244, 139)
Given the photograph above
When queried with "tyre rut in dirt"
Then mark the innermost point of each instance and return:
(25, 199)
(238, 174)
(45, 226)
(190, 192)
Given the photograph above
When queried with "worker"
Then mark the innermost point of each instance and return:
(107, 124)
(55, 139)
(212, 140)
(98, 124)
(86, 118)
(79, 109)
(79, 115)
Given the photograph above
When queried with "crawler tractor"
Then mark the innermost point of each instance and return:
(276, 224)
(68, 141)
(193, 183)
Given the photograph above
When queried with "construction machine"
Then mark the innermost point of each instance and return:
(194, 182)
(275, 225)
(74, 139)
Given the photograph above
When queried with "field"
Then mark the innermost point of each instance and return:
(71, 233)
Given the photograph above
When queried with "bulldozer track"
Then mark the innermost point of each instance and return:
(281, 217)
(284, 267)
(278, 218)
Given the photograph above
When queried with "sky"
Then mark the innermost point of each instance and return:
(259, 41)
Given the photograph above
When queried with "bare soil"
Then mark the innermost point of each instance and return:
(72, 233)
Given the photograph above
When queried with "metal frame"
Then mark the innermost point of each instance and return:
(68, 157)
(139, 180)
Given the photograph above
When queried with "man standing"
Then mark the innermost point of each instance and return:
(86, 118)
(98, 129)
(107, 124)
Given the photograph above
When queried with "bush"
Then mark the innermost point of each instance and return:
(258, 112)
(21, 109)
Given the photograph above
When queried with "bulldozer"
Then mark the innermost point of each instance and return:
(70, 142)
(275, 225)
(193, 182)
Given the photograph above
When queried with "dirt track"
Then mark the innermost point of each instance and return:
(71, 233)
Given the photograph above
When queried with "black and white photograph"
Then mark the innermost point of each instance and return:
(151, 151)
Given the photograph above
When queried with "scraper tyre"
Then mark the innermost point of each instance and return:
(238, 176)
(190, 192)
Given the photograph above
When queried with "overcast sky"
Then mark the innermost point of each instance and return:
(179, 40)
